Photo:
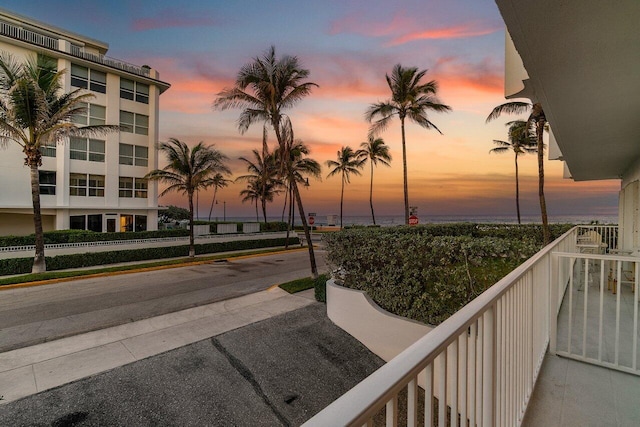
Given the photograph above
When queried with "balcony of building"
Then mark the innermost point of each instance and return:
(17, 32)
(553, 343)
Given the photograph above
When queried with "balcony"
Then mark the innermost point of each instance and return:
(555, 342)
(18, 33)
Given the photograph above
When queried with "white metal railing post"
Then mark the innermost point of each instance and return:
(554, 279)
(489, 366)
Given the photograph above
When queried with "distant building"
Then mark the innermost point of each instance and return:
(86, 183)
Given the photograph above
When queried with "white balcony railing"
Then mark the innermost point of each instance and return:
(477, 368)
(16, 32)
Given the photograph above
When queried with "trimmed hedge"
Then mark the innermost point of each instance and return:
(89, 259)
(75, 236)
(428, 273)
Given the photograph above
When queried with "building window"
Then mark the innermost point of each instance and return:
(134, 91)
(134, 123)
(87, 148)
(48, 150)
(126, 223)
(141, 223)
(94, 223)
(77, 222)
(82, 185)
(47, 182)
(87, 78)
(128, 185)
(137, 155)
(92, 115)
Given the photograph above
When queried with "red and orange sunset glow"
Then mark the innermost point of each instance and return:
(199, 46)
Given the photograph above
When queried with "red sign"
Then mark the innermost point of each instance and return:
(413, 220)
(312, 220)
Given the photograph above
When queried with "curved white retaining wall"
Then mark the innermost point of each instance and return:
(385, 334)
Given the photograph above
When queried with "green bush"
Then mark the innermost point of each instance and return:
(273, 226)
(89, 259)
(320, 288)
(76, 236)
(427, 273)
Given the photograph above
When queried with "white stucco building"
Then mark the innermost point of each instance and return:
(86, 183)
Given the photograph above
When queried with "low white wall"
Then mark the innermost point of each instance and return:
(227, 228)
(250, 227)
(201, 230)
(383, 333)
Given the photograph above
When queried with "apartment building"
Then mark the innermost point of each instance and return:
(86, 183)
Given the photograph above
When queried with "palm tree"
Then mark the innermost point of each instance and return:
(297, 167)
(537, 120)
(35, 113)
(374, 150)
(520, 142)
(263, 175)
(409, 99)
(264, 88)
(252, 194)
(217, 181)
(347, 163)
(188, 171)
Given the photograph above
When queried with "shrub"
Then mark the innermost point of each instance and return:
(428, 273)
(76, 236)
(89, 259)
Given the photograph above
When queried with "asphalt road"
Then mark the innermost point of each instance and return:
(33, 315)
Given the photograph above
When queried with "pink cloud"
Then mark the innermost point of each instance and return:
(354, 23)
(457, 32)
(171, 18)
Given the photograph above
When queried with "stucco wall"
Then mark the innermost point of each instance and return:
(383, 333)
(22, 224)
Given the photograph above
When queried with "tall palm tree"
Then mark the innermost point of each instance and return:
(409, 99)
(252, 194)
(347, 163)
(264, 88)
(35, 113)
(188, 171)
(375, 151)
(538, 121)
(520, 142)
(217, 181)
(263, 174)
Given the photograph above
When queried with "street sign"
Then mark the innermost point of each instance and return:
(312, 220)
(413, 220)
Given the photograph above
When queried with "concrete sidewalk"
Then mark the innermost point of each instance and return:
(30, 370)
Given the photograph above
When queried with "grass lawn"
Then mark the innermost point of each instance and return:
(302, 284)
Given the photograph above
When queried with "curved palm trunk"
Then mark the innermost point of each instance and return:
(215, 191)
(192, 247)
(546, 234)
(404, 170)
(373, 216)
(307, 234)
(39, 264)
(284, 206)
(264, 210)
(517, 191)
(289, 225)
(257, 217)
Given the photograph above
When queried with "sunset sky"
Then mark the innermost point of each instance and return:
(198, 47)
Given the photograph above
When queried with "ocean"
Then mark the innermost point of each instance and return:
(391, 220)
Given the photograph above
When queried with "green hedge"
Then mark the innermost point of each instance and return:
(428, 273)
(75, 236)
(89, 259)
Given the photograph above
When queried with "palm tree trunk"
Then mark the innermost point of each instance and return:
(373, 216)
(546, 234)
(257, 217)
(39, 263)
(290, 210)
(517, 191)
(341, 200)
(264, 211)
(307, 234)
(192, 247)
(197, 204)
(284, 207)
(404, 170)
(215, 190)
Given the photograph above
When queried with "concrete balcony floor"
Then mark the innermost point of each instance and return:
(575, 393)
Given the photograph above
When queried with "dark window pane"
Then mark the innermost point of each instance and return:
(77, 222)
(94, 223)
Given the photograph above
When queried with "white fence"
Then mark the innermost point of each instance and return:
(227, 228)
(480, 365)
(251, 227)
